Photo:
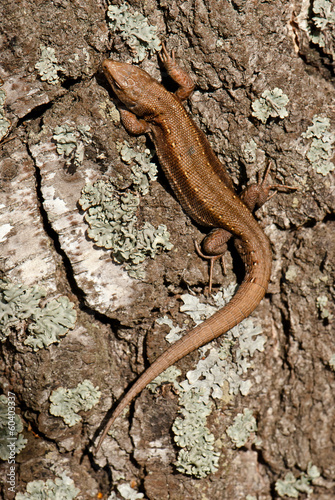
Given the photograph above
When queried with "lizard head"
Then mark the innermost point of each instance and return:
(132, 85)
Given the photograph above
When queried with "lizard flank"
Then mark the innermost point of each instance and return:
(205, 191)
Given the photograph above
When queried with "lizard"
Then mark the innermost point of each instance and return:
(204, 189)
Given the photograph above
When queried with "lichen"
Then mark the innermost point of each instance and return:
(47, 323)
(168, 376)
(321, 148)
(317, 18)
(11, 428)
(175, 331)
(62, 488)
(48, 66)
(4, 123)
(71, 141)
(215, 369)
(126, 492)
(196, 456)
(271, 103)
(66, 403)
(249, 151)
(112, 220)
(243, 427)
(321, 304)
(332, 362)
(134, 30)
(291, 273)
(292, 486)
(143, 170)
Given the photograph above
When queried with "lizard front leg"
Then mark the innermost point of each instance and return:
(133, 124)
(178, 75)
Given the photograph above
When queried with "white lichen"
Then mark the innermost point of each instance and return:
(321, 148)
(175, 331)
(48, 66)
(244, 426)
(135, 30)
(332, 362)
(112, 221)
(71, 141)
(11, 428)
(45, 323)
(129, 493)
(66, 403)
(271, 103)
(62, 488)
(291, 486)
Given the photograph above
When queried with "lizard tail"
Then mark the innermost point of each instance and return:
(221, 322)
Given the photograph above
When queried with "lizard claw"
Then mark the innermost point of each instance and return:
(167, 59)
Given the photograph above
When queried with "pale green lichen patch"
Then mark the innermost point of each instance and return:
(143, 170)
(47, 323)
(322, 305)
(4, 123)
(175, 331)
(134, 30)
(291, 273)
(197, 456)
(112, 221)
(48, 66)
(321, 149)
(66, 403)
(243, 428)
(70, 142)
(317, 17)
(249, 151)
(169, 376)
(271, 103)
(215, 369)
(11, 428)
(62, 488)
(292, 486)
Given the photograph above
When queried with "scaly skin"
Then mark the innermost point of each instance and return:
(205, 191)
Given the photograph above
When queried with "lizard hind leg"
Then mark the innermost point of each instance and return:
(213, 247)
(255, 195)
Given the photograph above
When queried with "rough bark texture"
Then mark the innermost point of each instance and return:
(234, 51)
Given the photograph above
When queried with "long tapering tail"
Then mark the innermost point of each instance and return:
(241, 305)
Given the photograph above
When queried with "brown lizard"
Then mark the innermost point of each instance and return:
(205, 191)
